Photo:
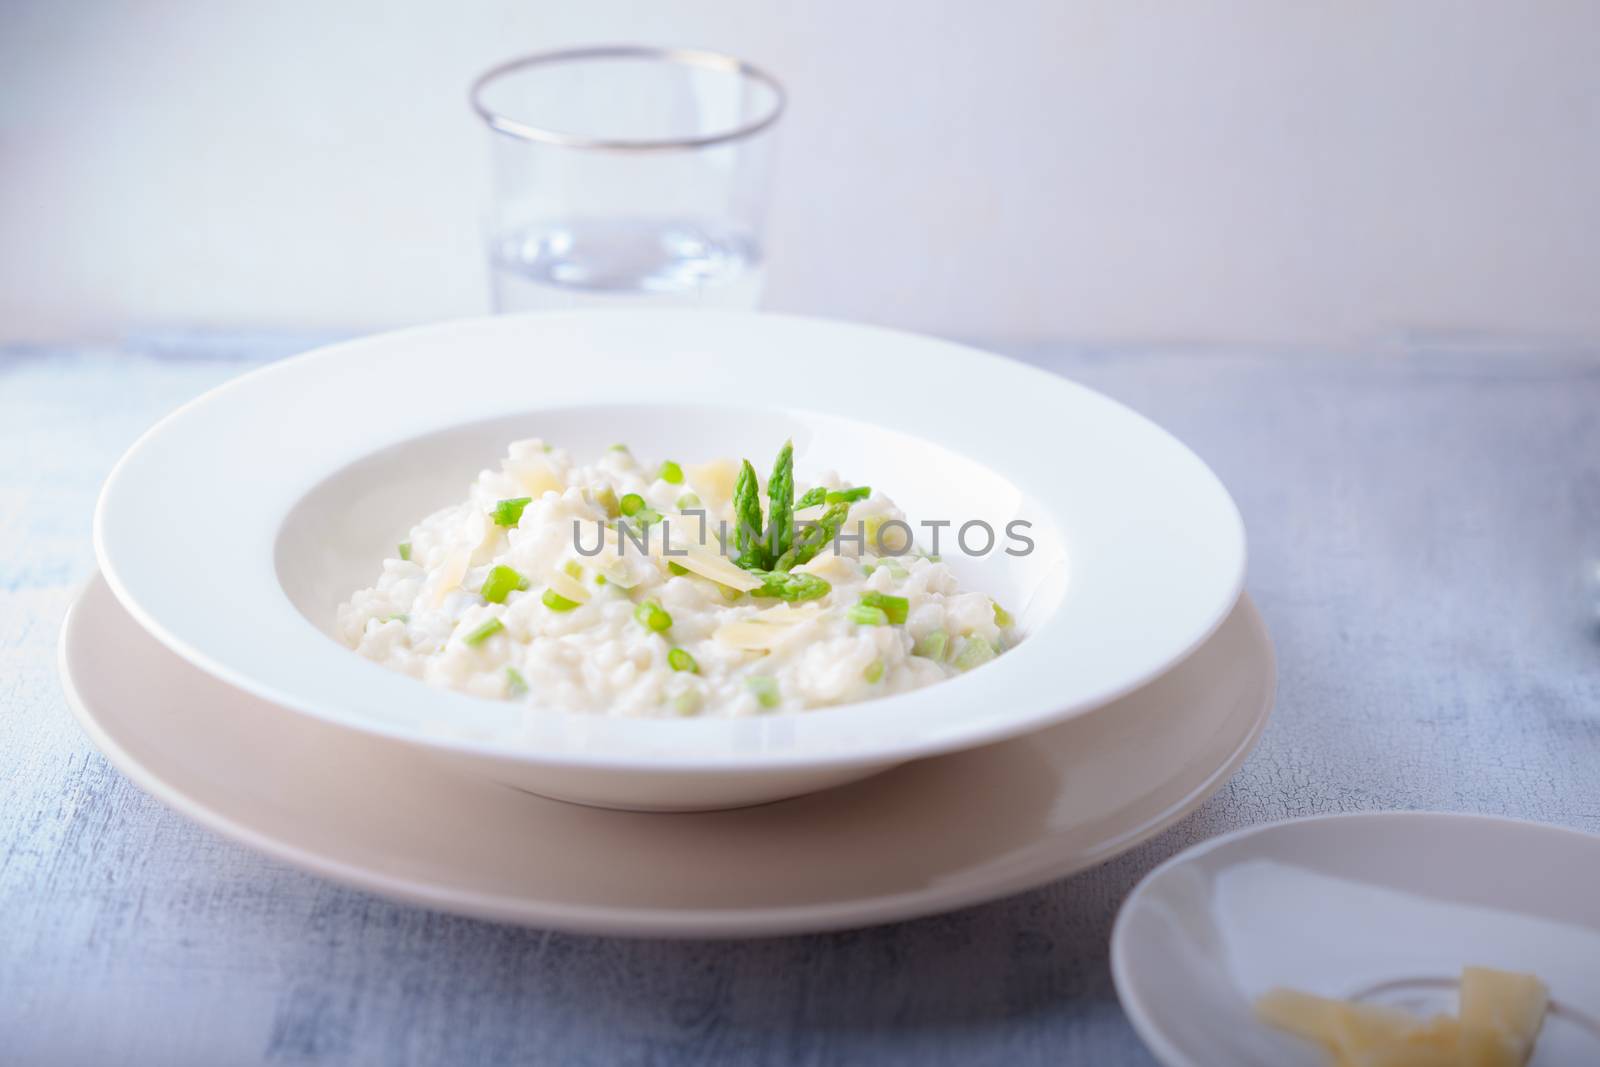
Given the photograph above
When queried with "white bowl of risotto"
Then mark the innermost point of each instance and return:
(532, 545)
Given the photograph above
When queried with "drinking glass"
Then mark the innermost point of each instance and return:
(628, 175)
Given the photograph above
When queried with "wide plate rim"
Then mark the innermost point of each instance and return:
(703, 745)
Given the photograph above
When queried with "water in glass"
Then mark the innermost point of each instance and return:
(590, 262)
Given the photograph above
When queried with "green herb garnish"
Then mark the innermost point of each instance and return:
(509, 512)
(501, 583)
(671, 473)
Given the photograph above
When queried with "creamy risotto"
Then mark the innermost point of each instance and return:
(623, 587)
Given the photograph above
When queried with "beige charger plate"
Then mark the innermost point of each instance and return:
(927, 837)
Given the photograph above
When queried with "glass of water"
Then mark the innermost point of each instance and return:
(626, 176)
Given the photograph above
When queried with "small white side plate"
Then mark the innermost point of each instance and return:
(1384, 907)
(934, 835)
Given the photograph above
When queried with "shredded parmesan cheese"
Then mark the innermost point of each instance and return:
(708, 564)
(569, 587)
(447, 579)
(784, 615)
(533, 473)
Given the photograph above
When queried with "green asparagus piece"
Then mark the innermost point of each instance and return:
(896, 607)
(785, 585)
(652, 616)
(780, 502)
(932, 645)
(867, 615)
(747, 514)
(483, 633)
(501, 583)
(849, 496)
(974, 652)
(509, 512)
(556, 602)
(765, 689)
(812, 498)
(814, 538)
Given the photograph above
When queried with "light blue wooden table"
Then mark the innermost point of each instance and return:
(1425, 547)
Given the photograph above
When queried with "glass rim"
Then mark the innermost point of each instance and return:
(689, 57)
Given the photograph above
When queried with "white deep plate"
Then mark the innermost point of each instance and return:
(1385, 907)
(934, 835)
(234, 528)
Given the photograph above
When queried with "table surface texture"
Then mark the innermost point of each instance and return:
(1424, 546)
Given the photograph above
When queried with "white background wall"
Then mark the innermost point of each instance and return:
(1235, 169)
